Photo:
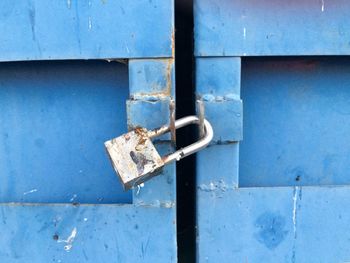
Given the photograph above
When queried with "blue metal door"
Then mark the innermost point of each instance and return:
(72, 76)
(277, 183)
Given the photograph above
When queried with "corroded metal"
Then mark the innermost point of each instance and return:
(134, 157)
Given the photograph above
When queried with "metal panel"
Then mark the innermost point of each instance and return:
(218, 167)
(62, 112)
(150, 110)
(151, 79)
(296, 122)
(290, 224)
(271, 27)
(218, 82)
(72, 29)
(87, 233)
(276, 224)
(55, 117)
(73, 232)
(295, 131)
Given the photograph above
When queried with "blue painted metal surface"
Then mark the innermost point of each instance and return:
(296, 122)
(81, 103)
(86, 233)
(295, 131)
(151, 79)
(60, 199)
(275, 224)
(218, 87)
(151, 90)
(55, 118)
(94, 29)
(270, 27)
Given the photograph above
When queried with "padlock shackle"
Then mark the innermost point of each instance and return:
(188, 150)
(178, 124)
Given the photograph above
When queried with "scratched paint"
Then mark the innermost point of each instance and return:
(30, 191)
(322, 6)
(265, 222)
(90, 231)
(69, 241)
(73, 23)
(274, 28)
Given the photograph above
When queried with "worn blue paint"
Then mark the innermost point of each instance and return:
(295, 99)
(55, 119)
(271, 27)
(228, 112)
(78, 101)
(151, 79)
(274, 224)
(295, 130)
(296, 122)
(218, 163)
(60, 199)
(104, 233)
(94, 29)
(151, 90)
(218, 86)
(155, 113)
(271, 229)
(218, 77)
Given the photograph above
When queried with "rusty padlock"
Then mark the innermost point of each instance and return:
(135, 159)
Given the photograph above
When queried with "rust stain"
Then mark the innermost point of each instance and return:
(172, 122)
(173, 43)
(142, 133)
(293, 65)
(168, 75)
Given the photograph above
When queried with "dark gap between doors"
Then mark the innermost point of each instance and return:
(185, 98)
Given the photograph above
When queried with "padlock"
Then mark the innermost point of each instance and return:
(135, 159)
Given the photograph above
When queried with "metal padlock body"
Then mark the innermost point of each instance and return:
(134, 157)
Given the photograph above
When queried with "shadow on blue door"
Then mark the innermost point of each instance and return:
(55, 117)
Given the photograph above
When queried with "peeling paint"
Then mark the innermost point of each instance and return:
(157, 76)
(153, 97)
(212, 98)
(73, 198)
(156, 204)
(90, 23)
(296, 196)
(69, 241)
(173, 43)
(295, 200)
(127, 48)
(215, 186)
(30, 192)
(168, 74)
(139, 188)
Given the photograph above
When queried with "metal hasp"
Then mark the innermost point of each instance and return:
(136, 160)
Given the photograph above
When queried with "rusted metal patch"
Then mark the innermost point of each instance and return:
(151, 79)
